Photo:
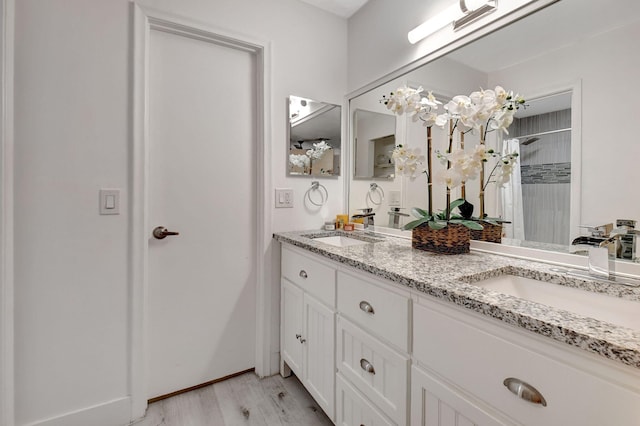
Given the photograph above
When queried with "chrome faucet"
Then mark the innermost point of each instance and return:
(597, 235)
(602, 258)
(367, 214)
(602, 251)
(394, 217)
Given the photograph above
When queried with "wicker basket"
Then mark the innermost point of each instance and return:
(491, 233)
(454, 239)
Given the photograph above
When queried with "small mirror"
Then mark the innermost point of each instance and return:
(374, 141)
(314, 138)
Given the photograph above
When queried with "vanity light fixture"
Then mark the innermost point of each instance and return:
(460, 14)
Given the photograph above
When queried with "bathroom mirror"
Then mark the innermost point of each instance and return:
(587, 57)
(314, 138)
(374, 141)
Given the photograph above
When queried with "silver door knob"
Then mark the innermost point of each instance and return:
(160, 232)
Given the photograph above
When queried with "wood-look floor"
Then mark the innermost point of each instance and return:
(242, 400)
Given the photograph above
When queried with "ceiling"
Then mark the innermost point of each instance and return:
(342, 8)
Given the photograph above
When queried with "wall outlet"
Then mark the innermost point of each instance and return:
(284, 198)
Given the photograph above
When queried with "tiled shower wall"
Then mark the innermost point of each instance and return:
(546, 176)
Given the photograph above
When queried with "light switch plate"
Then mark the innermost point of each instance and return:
(394, 199)
(284, 198)
(109, 201)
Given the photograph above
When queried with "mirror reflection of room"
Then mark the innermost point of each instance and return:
(561, 203)
(544, 191)
(374, 141)
(314, 138)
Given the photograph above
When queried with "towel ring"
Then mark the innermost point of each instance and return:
(324, 194)
(374, 187)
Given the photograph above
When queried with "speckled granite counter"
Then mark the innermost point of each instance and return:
(448, 277)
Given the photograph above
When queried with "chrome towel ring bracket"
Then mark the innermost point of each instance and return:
(317, 187)
(374, 188)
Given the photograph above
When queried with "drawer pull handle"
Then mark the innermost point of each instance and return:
(366, 307)
(303, 273)
(298, 336)
(525, 391)
(367, 366)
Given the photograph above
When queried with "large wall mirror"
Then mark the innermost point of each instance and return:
(314, 138)
(577, 67)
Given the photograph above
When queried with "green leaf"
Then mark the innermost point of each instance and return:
(414, 224)
(456, 203)
(472, 225)
(494, 220)
(419, 213)
(437, 225)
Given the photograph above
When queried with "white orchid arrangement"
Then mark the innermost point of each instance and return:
(318, 150)
(299, 160)
(304, 160)
(483, 111)
(407, 161)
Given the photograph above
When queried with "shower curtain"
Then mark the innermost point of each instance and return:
(511, 196)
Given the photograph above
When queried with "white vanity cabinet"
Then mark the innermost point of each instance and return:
(465, 362)
(373, 353)
(373, 331)
(308, 324)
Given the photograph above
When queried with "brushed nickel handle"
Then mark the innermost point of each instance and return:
(525, 391)
(160, 232)
(367, 366)
(366, 307)
(303, 273)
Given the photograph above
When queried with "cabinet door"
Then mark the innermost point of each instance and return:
(354, 410)
(434, 403)
(292, 326)
(319, 353)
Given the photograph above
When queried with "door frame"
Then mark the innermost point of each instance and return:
(7, 396)
(145, 20)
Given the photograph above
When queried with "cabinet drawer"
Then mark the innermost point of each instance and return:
(311, 275)
(478, 361)
(375, 369)
(354, 410)
(383, 312)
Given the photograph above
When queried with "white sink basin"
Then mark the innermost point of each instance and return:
(582, 302)
(341, 241)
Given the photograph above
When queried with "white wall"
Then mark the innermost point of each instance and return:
(73, 116)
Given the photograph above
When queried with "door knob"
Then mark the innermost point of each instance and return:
(161, 232)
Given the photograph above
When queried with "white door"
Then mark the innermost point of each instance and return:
(202, 184)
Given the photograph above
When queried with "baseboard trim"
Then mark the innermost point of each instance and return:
(201, 385)
(116, 412)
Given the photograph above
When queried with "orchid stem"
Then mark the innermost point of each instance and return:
(429, 179)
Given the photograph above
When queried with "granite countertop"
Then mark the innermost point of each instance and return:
(447, 278)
